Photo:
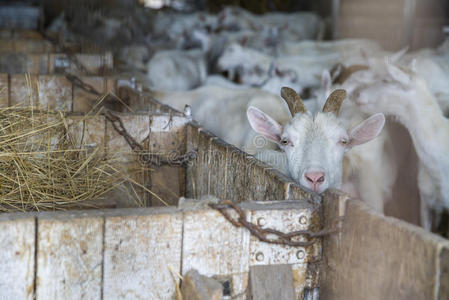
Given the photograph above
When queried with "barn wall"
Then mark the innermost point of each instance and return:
(394, 23)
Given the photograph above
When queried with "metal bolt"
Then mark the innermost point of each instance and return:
(301, 254)
(261, 221)
(259, 256)
(303, 220)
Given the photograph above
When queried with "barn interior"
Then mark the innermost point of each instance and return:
(134, 104)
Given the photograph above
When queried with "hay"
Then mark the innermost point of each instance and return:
(43, 167)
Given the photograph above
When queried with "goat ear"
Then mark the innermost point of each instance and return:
(326, 80)
(395, 57)
(367, 130)
(414, 65)
(264, 124)
(398, 74)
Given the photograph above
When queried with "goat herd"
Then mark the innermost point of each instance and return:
(243, 75)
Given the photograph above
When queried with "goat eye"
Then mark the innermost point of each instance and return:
(284, 142)
(343, 142)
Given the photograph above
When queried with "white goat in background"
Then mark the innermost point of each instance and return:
(222, 110)
(404, 95)
(177, 69)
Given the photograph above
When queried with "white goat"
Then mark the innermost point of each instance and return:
(406, 96)
(222, 110)
(134, 56)
(177, 69)
(433, 66)
(293, 26)
(299, 71)
(308, 47)
(312, 147)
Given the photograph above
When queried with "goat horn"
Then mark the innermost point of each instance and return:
(294, 101)
(347, 72)
(334, 101)
(336, 71)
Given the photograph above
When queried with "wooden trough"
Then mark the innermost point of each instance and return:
(139, 252)
(165, 240)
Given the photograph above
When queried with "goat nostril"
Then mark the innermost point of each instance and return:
(314, 177)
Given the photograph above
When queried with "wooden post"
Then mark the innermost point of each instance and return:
(273, 282)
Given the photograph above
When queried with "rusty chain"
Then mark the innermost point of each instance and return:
(76, 81)
(150, 159)
(261, 233)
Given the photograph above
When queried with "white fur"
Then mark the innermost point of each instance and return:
(406, 96)
(177, 69)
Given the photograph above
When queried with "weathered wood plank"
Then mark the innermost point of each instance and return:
(21, 63)
(216, 171)
(19, 34)
(131, 193)
(88, 130)
(202, 163)
(140, 253)
(377, 257)
(55, 92)
(167, 138)
(83, 101)
(191, 169)
(138, 126)
(17, 236)
(256, 179)
(273, 282)
(237, 175)
(69, 258)
(213, 246)
(444, 273)
(23, 90)
(288, 216)
(80, 63)
(166, 183)
(16, 62)
(26, 46)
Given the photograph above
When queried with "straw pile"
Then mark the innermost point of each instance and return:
(42, 167)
